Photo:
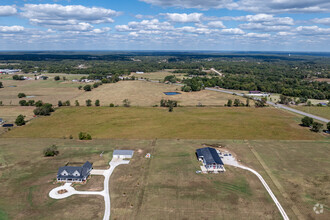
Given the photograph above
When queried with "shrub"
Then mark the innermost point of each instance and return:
(84, 136)
(39, 103)
(59, 104)
(30, 103)
(237, 102)
(316, 127)
(23, 103)
(186, 89)
(307, 121)
(88, 88)
(230, 103)
(51, 151)
(97, 102)
(79, 87)
(126, 103)
(88, 102)
(112, 105)
(1, 85)
(1, 104)
(20, 120)
(67, 103)
(21, 95)
(45, 109)
(167, 103)
(56, 78)
(76, 103)
(17, 77)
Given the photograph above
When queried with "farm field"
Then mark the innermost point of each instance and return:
(167, 183)
(184, 123)
(141, 93)
(315, 110)
(46, 90)
(160, 75)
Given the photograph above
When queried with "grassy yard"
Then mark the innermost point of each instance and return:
(166, 184)
(315, 110)
(150, 123)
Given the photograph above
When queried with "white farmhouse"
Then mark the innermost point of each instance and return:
(123, 153)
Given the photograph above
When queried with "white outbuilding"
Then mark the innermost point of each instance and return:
(123, 153)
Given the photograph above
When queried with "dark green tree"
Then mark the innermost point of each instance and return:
(328, 126)
(97, 102)
(20, 120)
(21, 95)
(67, 103)
(84, 136)
(307, 121)
(1, 85)
(88, 88)
(76, 103)
(236, 102)
(59, 103)
(126, 103)
(44, 110)
(23, 103)
(229, 103)
(56, 78)
(316, 127)
(88, 102)
(51, 151)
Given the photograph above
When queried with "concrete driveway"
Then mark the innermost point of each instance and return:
(105, 192)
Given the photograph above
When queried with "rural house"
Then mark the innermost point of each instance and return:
(211, 160)
(123, 153)
(74, 174)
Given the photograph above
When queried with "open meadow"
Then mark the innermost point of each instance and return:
(50, 91)
(142, 93)
(186, 123)
(323, 111)
(166, 184)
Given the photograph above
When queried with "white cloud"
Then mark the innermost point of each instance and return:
(325, 21)
(269, 6)
(234, 31)
(11, 29)
(61, 17)
(257, 35)
(262, 27)
(153, 24)
(266, 19)
(184, 18)
(7, 10)
(216, 24)
(312, 30)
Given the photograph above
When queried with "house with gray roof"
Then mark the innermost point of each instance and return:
(71, 174)
(211, 160)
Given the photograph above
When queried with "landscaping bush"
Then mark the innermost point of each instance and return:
(51, 151)
(84, 136)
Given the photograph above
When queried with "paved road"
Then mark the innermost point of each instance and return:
(105, 192)
(276, 105)
(229, 160)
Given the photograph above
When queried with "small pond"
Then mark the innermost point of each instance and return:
(172, 93)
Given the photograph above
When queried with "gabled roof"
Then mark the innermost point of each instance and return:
(123, 152)
(83, 170)
(210, 155)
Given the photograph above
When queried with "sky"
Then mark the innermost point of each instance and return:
(218, 25)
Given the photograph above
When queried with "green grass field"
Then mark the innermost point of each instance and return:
(166, 184)
(150, 123)
(316, 110)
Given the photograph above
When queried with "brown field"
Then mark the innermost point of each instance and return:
(160, 75)
(45, 90)
(166, 184)
(10, 113)
(141, 93)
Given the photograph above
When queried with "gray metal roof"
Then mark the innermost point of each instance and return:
(123, 152)
(84, 171)
(210, 155)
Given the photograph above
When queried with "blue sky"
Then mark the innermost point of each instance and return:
(258, 25)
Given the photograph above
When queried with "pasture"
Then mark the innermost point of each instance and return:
(184, 123)
(323, 111)
(166, 184)
(141, 93)
(50, 91)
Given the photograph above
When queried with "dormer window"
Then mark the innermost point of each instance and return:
(64, 173)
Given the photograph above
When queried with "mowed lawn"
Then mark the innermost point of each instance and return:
(184, 123)
(142, 93)
(165, 185)
(316, 110)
